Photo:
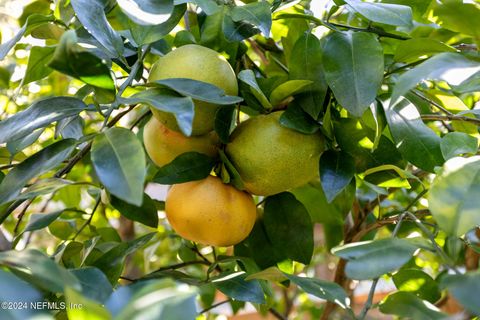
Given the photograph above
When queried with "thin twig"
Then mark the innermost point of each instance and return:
(439, 117)
(433, 103)
(213, 306)
(89, 219)
(277, 314)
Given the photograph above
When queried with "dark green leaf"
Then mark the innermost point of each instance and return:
(44, 186)
(353, 63)
(146, 213)
(186, 167)
(72, 59)
(306, 63)
(35, 267)
(40, 114)
(32, 22)
(168, 101)
(457, 143)
(322, 289)
(464, 288)
(92, 16)
(256, 13)
(15, 146)
(289, 227)
(453, 197)
(37, 64)
(147, 12)
(385, 13)
(408, 305)
(451, 67)
(297, 119)
(418, 282)
(39, 163)
(199, 90)
(416, 142)
(235, 286)
(248, 77)
(224, 122)
(119, 161)
(371, 259)
(94, 283)
(337, 169)
(41, 220)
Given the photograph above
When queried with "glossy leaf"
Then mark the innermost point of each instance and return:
(417, 282)
(457, 143)
(248, 77)
(186, 167)
(41, 220)
(337, 169)
(94, 283)
(40, 114)
(224, 122)
(91, 14)
(371, 259)
(147, 12)
(418, 143)
(235, 286)
(463, 288)
(297, 119)
(413, 49)
(199, 90)
(288, 89)
(37, 64)
(385, 13)
(15, 146)
(256, 13)
(73, 60)
(406, 304)
(145, 214)
(119, 161)
(39, 163)
(458, 16)
(44, 186)
(353, 63)
(453, 196)
(451, 67)
(288, 226)
(322, 289)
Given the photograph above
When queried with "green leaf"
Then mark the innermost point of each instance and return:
(454, 68)
(15, 290)
(248, 77)
(150, 34)
(288, 89)
(44, 186)
(408, 305)
(40, 114)
(92, 16)
(297, 119)
(417, 282)
(464, 288)
(168, 101)
(186, 167)
(457, 143)
(306, 63)
(337, 169)
(32, 22)
(256, 13)
(416, 142)
(391, 14)
(37, 64)
(95, 285)
(224, 122)
(41, 220)
(412, 49)
(235, 286)
(289, 227)
(322, 289)
(458, 16)
(72, 59)
(36, 268)
(147, 12)
(371, 259)
(15, 146)
(199, 90)
(119, 161)
(145, 214)
(89, 309)
(37, 164)
(453, 197)
(353, 63)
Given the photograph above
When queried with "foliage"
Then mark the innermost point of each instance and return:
(392, 85)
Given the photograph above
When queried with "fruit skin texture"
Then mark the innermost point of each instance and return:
(210, 212)
(164, 145)
(271, 158)
(198, 63)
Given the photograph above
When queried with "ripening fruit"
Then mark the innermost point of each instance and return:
(210, 212)
(164, 145)
(198, 63)
(271, 158)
